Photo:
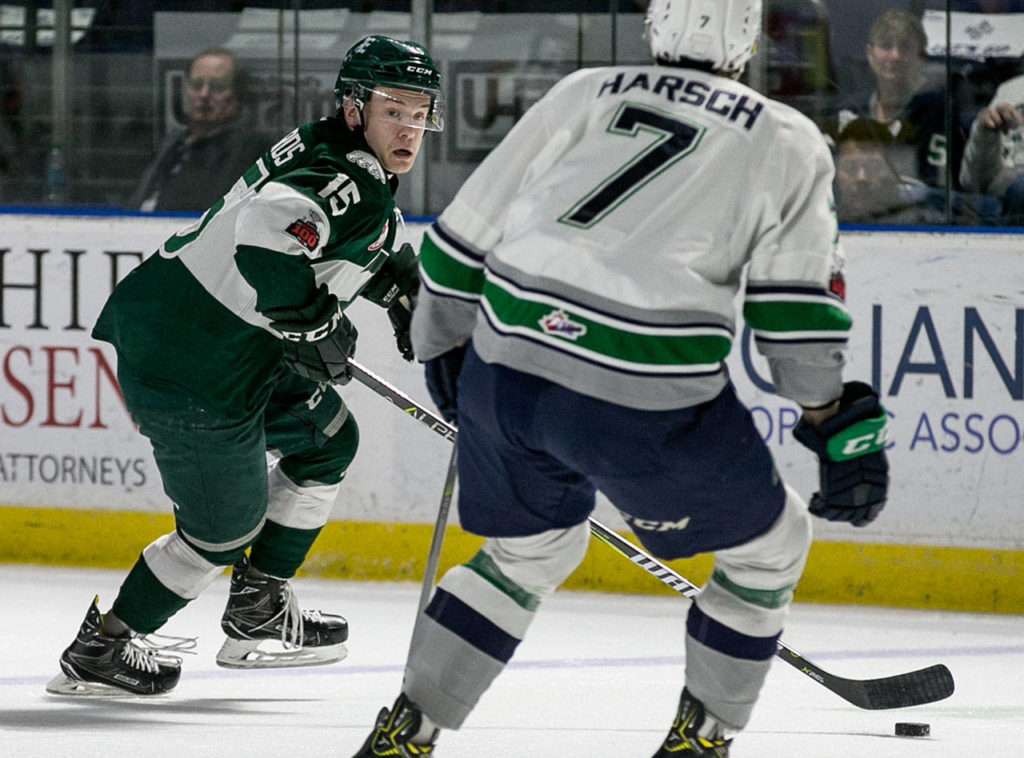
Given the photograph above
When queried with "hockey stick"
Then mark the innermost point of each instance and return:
(437, 537)
(900, 691)
(394, 395)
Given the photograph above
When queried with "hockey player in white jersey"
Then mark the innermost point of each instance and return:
(576, 308)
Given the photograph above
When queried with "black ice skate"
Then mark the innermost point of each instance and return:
(98, 664)
(393, 731)
(267, 629)
(694, 733)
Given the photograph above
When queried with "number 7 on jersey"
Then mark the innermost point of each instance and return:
(676, 138)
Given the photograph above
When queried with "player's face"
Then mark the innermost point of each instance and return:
(392, 125)
(209, 91)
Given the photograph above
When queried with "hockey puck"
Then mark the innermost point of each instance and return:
(904, 729)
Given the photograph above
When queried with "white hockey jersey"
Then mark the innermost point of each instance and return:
(601, 244)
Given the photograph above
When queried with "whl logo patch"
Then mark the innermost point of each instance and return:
(837, 285)
(558, 323)
(377, 243)
(305, 232)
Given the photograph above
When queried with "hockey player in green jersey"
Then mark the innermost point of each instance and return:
(231, 341)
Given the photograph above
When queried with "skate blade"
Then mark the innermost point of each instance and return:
(66, 686)
(267, 654)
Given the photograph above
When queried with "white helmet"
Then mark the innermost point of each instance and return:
(722, 32)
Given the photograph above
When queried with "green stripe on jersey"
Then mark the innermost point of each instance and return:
(446, 271)
(796, 317)
(624, 343)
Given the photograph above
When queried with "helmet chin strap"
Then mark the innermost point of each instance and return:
(358, 104)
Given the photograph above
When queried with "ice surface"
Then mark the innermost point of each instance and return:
(597, 677)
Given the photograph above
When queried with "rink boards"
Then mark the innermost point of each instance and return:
(939, 330)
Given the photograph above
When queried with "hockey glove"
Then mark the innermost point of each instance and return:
(850, 445)
(317, 348)
(401, 319)
(442, 374)
(398, 277)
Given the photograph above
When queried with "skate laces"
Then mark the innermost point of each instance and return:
(292, 620)
(167, 646)
(144, 659)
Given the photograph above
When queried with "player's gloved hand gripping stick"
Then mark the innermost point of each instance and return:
(318, 340)
(850, 446)
(900, 691)
(394, 288)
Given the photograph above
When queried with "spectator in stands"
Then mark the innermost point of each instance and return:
(869, 190)
(12, 128)
(993, 161)
(197, 164)
(902, 100)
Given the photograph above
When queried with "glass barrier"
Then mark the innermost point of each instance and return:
(103, 104)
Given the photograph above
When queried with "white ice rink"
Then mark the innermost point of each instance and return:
(597, 677)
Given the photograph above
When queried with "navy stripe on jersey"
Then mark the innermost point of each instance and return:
(425, 283)
(719, 637)
(449, 239)
(788, 289)
(473, 627)
(839, 340)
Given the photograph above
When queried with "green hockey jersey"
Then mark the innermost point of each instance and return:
(316, 209)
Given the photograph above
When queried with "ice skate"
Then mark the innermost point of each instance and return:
(393, 732)
(267, 629)
(98, 664)
(694, 733)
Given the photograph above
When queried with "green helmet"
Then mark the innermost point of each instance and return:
(379, 61)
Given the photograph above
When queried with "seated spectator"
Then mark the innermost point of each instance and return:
(869, 190)
(12, 127)
(993, 160)
(902, 100)
(197, 164)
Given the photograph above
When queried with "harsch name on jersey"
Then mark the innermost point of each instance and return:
(730, 105)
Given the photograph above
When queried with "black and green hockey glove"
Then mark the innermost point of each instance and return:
(398, 277)
(316, 346)
(401, 320)
(394, 287)
(850, 445)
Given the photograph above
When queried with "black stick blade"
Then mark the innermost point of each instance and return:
(900, 691)
(903, 690)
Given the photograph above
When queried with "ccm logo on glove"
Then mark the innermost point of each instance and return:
(840, 449)
(315, 334)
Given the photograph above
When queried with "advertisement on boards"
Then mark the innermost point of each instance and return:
(938, 331)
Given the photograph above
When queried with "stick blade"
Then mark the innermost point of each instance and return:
(925, 685)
